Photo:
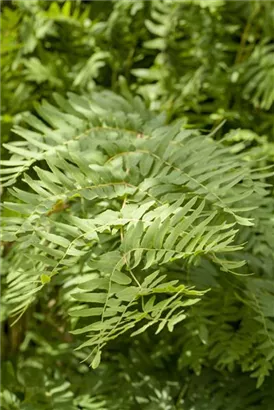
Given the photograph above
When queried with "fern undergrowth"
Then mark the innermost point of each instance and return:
(138, 226)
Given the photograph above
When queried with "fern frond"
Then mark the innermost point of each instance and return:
(124, 198)
(258, 76)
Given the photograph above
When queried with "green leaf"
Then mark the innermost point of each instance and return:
(45, 278)
(121, 278)
(96, 360)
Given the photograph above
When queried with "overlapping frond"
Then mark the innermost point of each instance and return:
(146, 239)
(114, 192)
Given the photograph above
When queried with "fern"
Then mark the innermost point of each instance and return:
(137, 218)
(258, 77)
(189, 209)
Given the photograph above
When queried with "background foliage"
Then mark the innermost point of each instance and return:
(152, 209)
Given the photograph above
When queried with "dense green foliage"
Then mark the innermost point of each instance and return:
(137, 225)
(204, 61)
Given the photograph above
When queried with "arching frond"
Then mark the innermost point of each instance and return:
(122, 197)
